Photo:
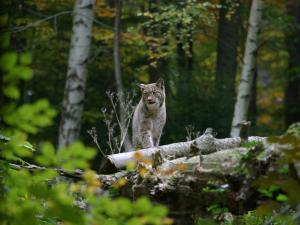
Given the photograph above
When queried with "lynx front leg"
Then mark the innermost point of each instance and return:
(156, 141)
(147, 140)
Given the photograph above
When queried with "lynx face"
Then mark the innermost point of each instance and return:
(153, 94)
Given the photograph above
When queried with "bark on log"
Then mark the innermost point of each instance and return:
(222, 162)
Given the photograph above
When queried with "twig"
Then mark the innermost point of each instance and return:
(111, 96)
(22, 28)
(36, 23)
(77, 174)
(126, 130)
(93, 134)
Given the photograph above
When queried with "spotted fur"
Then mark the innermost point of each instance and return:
(149, 116)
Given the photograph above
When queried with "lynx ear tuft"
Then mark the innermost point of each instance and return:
(142, 86)
(160, 83)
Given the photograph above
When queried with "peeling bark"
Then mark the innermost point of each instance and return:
(73, 98)
(244, 90)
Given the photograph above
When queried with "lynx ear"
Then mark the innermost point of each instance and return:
(142, 86)
(160, 83)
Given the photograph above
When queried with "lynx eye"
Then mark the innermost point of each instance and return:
(157, 94)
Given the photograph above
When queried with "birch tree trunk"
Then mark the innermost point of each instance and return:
(118, 75)
(74, 92)
(244, 90)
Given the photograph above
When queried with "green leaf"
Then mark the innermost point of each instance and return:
(44, 175)
(30, 117)
(159, 211)
(22, 72)
(124, 206)
(8, 61)
(134, 221)
(282, 198)
(4, 40)
(142, 205)
(75, 156)
(48, 156)
(28, 146)
(11, 91)
(25, 58)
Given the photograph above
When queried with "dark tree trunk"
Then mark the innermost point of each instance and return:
(190, 60)
(226, 65)
(118, 76)
(154, 72)
(185, 58)
(292, 94)
(117, 57)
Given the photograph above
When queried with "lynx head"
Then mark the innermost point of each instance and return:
(153, 95)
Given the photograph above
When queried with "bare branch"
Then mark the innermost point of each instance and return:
(93, 133)
(37, 23)
(22, 28)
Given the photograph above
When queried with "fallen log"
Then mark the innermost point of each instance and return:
(188, 185)
(180, 149)
(194, 175)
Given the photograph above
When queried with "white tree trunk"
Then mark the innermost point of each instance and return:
(244, 90)
(73, 99)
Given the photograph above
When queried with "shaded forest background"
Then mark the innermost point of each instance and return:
(195, 46)
(204, 51)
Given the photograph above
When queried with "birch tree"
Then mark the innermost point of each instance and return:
(246, 80)
(73, 99)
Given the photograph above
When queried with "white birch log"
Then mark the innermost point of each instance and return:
(177, 150)
(74, 92)
(244, 90)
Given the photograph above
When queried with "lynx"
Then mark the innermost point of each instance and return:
(149, 116)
